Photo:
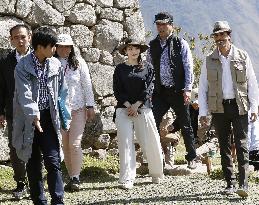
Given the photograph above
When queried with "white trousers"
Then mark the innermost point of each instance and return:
(147, 135)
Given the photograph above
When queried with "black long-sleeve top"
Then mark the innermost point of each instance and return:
(7, 66)
(132, 84)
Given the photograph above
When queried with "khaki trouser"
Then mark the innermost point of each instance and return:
(146, 133)
(73, 155)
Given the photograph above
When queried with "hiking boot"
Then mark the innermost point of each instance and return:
(242, 191)
(192, 164)
(229, 190)
(21, 191)
(75, 184)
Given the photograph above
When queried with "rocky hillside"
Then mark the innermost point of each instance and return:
(198, 16)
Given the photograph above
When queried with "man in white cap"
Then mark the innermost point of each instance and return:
(227, 89)
(173, 66)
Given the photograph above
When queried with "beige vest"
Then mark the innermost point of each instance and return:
(214, 75)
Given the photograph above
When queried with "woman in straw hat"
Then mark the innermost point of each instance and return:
(133, 86)
(81, 100)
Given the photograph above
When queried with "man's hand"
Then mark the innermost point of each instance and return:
(195, 106)
(187, 97)
(203, 121)
(36, 122)
(170, 128)
(253, 117)
(90, 114)
(2, 121)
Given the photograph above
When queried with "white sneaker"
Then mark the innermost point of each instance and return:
(127, 185)
(157, 180)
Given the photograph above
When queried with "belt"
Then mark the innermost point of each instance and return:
(229, 101)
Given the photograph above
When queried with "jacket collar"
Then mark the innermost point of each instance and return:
(53, 68)
(233, 53)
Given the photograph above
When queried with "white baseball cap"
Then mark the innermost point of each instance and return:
(65, 40)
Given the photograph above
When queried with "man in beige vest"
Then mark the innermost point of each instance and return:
(227, 89)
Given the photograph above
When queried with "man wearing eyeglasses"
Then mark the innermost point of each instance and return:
(173, 65)
(228, 89)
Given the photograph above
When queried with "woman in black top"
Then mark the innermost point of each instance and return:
(133, 86)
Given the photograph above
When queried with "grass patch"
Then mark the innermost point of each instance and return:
(254, 177)
(99, 170)
(6, 178)
(217, 174)
(110, 164)
(180, 153)
(93, 170)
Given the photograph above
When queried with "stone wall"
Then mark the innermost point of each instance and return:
(96, 26)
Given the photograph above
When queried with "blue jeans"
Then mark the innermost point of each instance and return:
(169, 98)
(45, 145)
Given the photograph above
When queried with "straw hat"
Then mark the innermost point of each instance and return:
(221, 26)
(143, 47)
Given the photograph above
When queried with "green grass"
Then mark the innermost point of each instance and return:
(93, 170)
(99, 170)
(6, 178)
(180, 153)
(217, 174)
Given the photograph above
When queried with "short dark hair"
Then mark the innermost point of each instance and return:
(44, 36)
(164, 16)
(20, 26)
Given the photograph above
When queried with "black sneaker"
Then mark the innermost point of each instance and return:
(192, 164)
(242, 191)
(67, 187)
(229, 190)
(21, 191)
(75, 184)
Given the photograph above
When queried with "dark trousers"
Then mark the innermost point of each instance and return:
(45, 145)
(222, 123)
(194, 121)
(254, 159)
(162, 102)
(17, 164)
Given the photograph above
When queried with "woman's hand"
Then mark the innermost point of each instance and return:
(90, 114)
(133, 109)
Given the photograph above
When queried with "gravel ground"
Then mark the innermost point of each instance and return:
(194, 189)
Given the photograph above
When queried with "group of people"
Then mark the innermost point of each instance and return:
(228, 89)
(32, 85)
(34, 79)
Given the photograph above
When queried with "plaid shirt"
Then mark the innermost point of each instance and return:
(42, 74)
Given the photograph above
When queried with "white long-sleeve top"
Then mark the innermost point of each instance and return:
(253, 135)
(79, 83)
(227, 84)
